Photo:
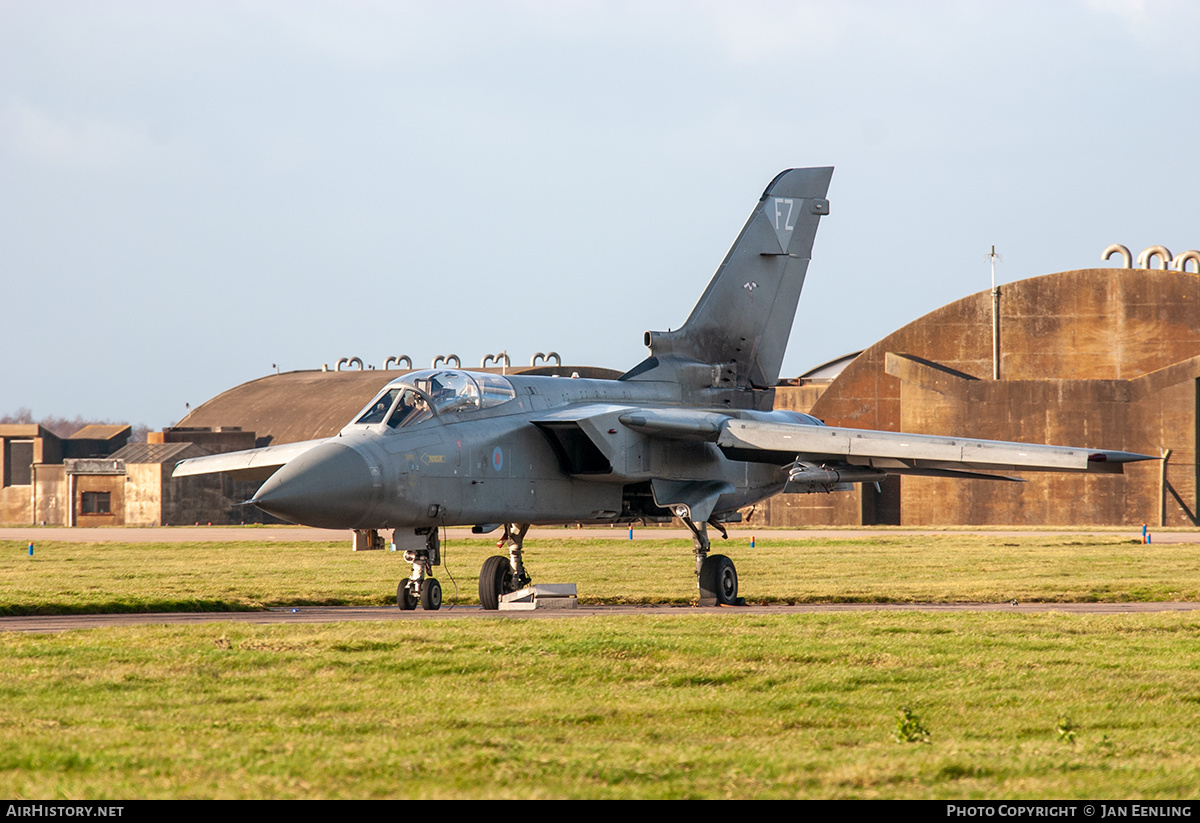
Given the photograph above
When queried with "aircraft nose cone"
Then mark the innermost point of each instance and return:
(329, 487)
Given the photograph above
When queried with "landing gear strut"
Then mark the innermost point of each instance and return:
(503, 575)
(716, 573)
(423, 550)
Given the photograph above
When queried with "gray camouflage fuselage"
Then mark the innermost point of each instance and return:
(555, 453)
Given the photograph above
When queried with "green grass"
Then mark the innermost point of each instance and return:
(687, 704)
(121, 577)
(682, 705)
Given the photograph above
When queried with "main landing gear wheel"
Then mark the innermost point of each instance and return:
(405, 600)
(503, 575)
(431, 594)
(718, 580)
(495, 579)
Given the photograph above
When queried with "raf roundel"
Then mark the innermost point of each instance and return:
(497, 459)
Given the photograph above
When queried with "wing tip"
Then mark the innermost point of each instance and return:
(1119, 457)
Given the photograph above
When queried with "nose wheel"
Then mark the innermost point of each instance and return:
(431, 594)
(420, 587)
(405, 600)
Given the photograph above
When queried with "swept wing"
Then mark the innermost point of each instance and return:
(798, 441)
(251, 464)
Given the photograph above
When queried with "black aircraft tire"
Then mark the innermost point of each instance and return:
(494, 580)
(718, 580)
(404, 599)
(431, 594)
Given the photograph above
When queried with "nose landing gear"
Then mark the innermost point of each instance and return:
(423, 550)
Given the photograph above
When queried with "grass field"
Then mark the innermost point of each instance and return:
(689, 704)
(108, 577)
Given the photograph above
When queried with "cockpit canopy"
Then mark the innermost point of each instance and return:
(420, 395)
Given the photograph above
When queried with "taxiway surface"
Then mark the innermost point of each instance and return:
(61, 623)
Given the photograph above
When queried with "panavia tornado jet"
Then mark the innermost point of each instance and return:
(689, 433)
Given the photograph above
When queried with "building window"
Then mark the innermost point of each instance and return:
(18, 462)
(96, 502)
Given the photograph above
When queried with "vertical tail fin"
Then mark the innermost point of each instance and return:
(739, 330)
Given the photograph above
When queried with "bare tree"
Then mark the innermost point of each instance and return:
(64, 427)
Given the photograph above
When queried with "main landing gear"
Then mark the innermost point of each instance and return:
(423, 550)
(716, 573)
(504, 575)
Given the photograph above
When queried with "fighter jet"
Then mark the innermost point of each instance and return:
(687, 433)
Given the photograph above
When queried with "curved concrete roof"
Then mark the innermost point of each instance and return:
(296, 405)
(1076, 349)
(1087, 324)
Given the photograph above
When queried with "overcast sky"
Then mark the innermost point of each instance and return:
(191, 192)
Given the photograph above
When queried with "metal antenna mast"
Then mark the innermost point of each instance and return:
(993, 256)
